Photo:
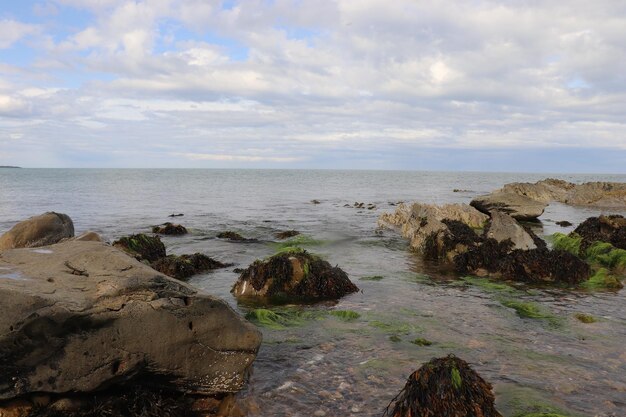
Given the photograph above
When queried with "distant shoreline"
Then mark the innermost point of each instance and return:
(8, 166)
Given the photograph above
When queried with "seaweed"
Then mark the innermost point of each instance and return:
(420, 341)
(372, 278)
(611, 229)
(605, 254)
(286, 234)
(602, 280)
(170, 229)
(531, 311)
(444, 387)
(570, 243)
(142, 247)
(234, 237)
(346, 315)
(585, 318)
(184, 266)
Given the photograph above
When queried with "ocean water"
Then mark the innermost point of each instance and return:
(336, 368)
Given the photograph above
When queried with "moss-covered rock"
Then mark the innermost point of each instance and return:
(294, 274)
(611, 229)
(286, 234)
(184, 266)
(170, 229)
(602, 279)
(142, 247)
(234, 236)
(444, 387)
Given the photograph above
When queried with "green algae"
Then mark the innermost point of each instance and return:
(281, 319)
(297, 242)
(585, 318)
(395, 338)
(605, 254)
(393, 328)
(455, 376)
(602, 280)
(488, 285)
(570, 243)
(372, 278)
(522, 401)
(530, 310)
(345, 315)
(420, 341)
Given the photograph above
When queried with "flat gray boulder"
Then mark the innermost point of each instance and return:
(45, 229)
(80, 316)
(517, 206)
(503, 227)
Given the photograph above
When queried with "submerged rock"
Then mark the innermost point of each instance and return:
(142, 247)
(234, 236)
(564, 223)
(170, 229)
(444, 387)
(286, 234)
(45, 229)
(294, 274)
(184, 266)
(119, 321)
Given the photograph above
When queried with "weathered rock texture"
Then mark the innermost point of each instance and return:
(526, 201)
(503, 227)
(142, 247)
(82, 316)
(45, 229)
(611, 229)
(293, 275)
(170, 229)
(184, 266)
(423, 223)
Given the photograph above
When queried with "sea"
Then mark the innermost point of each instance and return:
(323, 365)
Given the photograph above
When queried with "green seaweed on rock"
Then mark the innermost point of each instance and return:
(605, 254)
(420, 341)
(297, 241)
(346, 315)
(602, 280)
(531, 310)
(570, 243)
(372, 278)
(585, 318)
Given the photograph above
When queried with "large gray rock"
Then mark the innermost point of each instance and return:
(503, 227)
(517, 206)
(80, 316)
(423, 222)
(45, 229)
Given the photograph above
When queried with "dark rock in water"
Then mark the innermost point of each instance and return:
(45, 229)
(142, 247)
(238, 270)
(534, 265)
(234, 236)
(457, 238)
(295, 274)
(315, 202)
(176, 215)
(444, 387)
(611, 229)
(119, 322)
(564, 223)
(184, 266)
(170, 229)
(286, 234)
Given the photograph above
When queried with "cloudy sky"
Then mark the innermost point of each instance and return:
(534, 85)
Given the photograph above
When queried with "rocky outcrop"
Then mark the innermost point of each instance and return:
(45, 229)
(445, 386)
(286, 234)
(292, 276)
(89, 236)
(423, 224)
(526, 201)
(517, 206)
(83, 316)
(503, 227)
(184, 266)
(234, 237)
(610, 229)
(142, 247)
(170, 229)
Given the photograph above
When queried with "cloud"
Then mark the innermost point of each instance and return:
(12, 31)
(310, 80)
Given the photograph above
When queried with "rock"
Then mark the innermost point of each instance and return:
(610, 229)
(89, 237)
(176, 215)
(526, 201)
(286, 234)
(45, 229)
(503, 227)
(564, 223)
(517, 206)
(421, 222)
(119, 322)
(16, 408)
(234, 236)
(170, 229)
(293, 275)
(184, 266)
(444, 387)
(315, 202)
(142, 247)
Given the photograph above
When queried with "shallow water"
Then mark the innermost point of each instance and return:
(331, 367)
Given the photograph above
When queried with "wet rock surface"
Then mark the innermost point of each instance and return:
(286, 234)
(234, 236)
(45, 229)
(118, 321)
(293, 275)
(170, 229)
(444, 387)
(142, 247)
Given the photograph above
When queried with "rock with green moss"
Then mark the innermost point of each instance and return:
(234, 237)
(184, 266)
(444, 387)
(286, 234)
(585, 318)
(293, 275)
(603, 280)
(142, 247)
(610, 229)
(170, 229)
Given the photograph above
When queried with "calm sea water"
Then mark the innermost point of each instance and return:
(326, 366)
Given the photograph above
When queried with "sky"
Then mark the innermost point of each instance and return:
(529, 86)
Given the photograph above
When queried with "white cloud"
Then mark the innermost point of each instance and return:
(12, 31)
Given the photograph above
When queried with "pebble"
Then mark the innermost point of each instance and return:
(355, 409)
(319, 413)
